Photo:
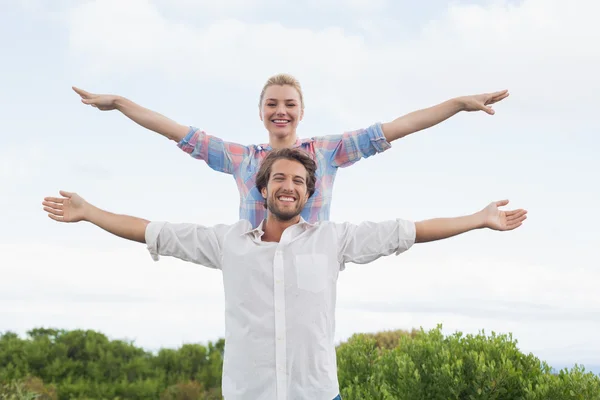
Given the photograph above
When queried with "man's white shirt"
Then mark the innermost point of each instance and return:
(280, 297)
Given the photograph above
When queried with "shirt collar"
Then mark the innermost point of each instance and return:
(258, 231)
(267, 147)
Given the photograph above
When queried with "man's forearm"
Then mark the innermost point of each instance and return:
(124, 226)
(442, 228)
(421, 119)
(151, 119)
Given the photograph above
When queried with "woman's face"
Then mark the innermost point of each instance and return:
(281, 110)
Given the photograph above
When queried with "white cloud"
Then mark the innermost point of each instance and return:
(117, 38)
(525, 47)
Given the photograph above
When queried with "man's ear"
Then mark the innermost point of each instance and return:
(263, 191)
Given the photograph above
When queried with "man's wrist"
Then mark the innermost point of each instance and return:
(459, 103)
(88, 212)
(119, 102)
(480, 220)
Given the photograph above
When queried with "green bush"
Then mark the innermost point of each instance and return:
(429, 365)
(85, 365)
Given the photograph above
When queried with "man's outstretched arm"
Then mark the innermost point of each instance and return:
(142, 116)
(428, 117)
(490, 217)
(366, 242)
(73, 208)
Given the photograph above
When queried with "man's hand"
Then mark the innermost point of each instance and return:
(69, 208)
(499, 220)
(481, 102)
(104, 102)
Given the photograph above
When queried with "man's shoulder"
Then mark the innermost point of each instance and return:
(241, 226)
(325, 225)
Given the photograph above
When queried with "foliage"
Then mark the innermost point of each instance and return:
(55, 364)
(87, 365)
(429, 365)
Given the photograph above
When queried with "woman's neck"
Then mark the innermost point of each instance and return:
(282, 142)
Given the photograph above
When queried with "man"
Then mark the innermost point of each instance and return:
(280, 277)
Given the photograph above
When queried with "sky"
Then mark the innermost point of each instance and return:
(203, 63)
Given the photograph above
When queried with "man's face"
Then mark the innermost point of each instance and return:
(286, 191)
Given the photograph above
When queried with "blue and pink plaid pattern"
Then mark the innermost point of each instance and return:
(330, 153)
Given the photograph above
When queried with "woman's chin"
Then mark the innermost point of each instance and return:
(280, 133)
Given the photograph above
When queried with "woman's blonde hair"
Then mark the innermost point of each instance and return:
(282, 79)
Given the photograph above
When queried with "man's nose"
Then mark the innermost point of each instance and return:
(288, 185)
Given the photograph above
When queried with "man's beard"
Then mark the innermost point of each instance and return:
(283, 216)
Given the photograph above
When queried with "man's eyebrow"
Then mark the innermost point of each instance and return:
(282, 174)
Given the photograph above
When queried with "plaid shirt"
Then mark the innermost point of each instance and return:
(330, 153)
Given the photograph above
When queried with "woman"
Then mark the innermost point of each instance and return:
(281, 109)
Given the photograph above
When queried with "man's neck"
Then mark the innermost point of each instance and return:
(273, 228)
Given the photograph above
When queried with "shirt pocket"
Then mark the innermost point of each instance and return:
(312, 272)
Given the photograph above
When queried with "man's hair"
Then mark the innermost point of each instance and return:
(264, 172)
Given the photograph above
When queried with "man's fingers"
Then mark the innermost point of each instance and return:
(496, 97)
(65, 193)
(54, 211)
(500, 203)
(502, 96)
(511, 215)
(515, 222)
(513, 226)
(54, 199)
(56, 206)
(488, 110)
(54, 217)
(81, 92)
(500, 93)
(518, 220)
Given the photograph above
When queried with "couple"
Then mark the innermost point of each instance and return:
(281, 261)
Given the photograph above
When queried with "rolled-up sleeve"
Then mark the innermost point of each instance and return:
(189, 242)
(366, 242)
(362, 143)
(219, 155)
